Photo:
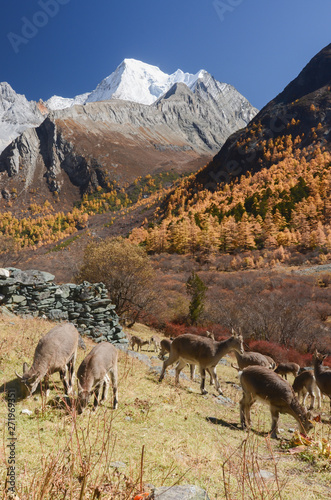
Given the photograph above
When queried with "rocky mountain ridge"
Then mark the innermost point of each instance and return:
(302, 112)
(16, 114)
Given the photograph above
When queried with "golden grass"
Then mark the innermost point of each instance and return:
(186, 438)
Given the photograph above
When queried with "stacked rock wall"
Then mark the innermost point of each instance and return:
(86, 305)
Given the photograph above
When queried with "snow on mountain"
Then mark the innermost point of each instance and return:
(16, 114)
(139, 82)
(57, 102)
(131, 81)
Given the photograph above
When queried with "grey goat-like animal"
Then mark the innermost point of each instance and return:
(202, 351)
(55, 352)
(250, 358)
(93, 375)
(322, 374)
(260, 383)
(285, 369)
(138, 342)
(305, 384)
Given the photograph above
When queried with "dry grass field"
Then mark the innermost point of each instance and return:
(160, 435)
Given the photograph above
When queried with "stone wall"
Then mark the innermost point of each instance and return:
(86, 305)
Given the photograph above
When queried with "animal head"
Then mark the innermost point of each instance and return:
(29, 379)
(83, 398)
(210, 335)
(237, 344)
(319, 357)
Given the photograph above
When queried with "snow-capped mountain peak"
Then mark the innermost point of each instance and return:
(132, 80)
(139, 82)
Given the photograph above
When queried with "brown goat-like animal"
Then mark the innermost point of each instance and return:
(93, 374)
(261, 383)
(202, 351)
(55, 352)
(138, 342)
(305, 384)
(285, 369)
(322, 374)
(165, 347)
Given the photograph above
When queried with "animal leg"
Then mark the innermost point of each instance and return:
(245, 410)
(113, 375)
(71, 372)
(64, 376)
(167, 362)
(312, 399)
(304, 398)
(274, 422)
(203, 379)
(318, 395)
(211, 380)
(105, 388)
(96, 397)
(46, 385)
(180, 365)
(192, 372)
(213, 373)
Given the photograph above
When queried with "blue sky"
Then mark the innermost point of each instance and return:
(66, 47)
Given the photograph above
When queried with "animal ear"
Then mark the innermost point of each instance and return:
(233, 333)
(25, 368)
(324, 356)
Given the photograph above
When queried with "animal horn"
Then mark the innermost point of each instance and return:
(18, 376)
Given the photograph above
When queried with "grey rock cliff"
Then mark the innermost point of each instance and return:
(16, 114)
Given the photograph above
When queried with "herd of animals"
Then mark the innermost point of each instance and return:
(260, 377)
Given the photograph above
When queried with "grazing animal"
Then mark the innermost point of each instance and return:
(93, 375)
(285, 369)
(138, 342)
(155, 341)
(202, 351)
(260, 383)
(322, 375)
(250, 358)
(55, 352)
(305, 384)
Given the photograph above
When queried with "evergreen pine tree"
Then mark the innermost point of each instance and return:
(196, 288)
